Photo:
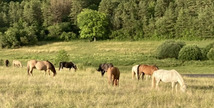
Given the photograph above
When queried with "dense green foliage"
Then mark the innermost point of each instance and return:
(93, 24)
(210, 54)
(169, 49)
(190, 52)
(127, 19)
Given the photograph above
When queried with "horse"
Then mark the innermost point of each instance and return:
(40, 65)
(104, 67)
(168, 76)
(134, 71)
(67, 65)
(113, 74)
(146, 70)
(6, 62)
(17, 63)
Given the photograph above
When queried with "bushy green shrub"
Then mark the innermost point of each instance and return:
(169, 49)
(190, 52)
(54, 31)
(68, 36)
(206, 50)
(61, 56)
(210, 54)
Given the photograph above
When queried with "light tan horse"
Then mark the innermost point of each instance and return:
(113, 74)
(40, 65)
(134, 71)
(146, 70)
(168, 76)
(17, 63)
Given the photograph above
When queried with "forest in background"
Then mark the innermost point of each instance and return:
(25, 22)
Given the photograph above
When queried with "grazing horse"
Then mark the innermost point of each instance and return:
(113, 74)
(67, 65)
(134, 71)
(40, 65)
(6, 62)
(168, 76)
(146, 70)
(104, 67)
(17, 63)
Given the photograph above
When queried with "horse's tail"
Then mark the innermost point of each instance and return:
(60, 64)
(153, 81)
(28, 69)
(138, 76)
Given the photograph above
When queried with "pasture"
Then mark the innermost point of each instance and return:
(86, 88)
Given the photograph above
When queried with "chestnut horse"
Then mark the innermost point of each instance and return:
(17, 63)
(146, 70)
(113, 74)
(168, 76)
(67, 65)
(40, 65)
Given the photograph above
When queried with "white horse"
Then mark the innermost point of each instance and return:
(17, 63)
(134, 71)
(168, 76)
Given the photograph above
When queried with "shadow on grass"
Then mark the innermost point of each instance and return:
(201, 87)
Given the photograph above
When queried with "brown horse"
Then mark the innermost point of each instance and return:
(113, 74)
(40, 65)
(146, 70)
(17, 63)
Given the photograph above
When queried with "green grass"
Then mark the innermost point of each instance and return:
(86, 88)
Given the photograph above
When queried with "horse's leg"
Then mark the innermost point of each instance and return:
(143, 75)
(133, 74)
(157, 82)
(176, 87)
(173, 86)
(31, 71)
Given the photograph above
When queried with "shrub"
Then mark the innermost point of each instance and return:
(68, 36)
(210, 54)
(61, 56)
(191, 52)
(169, 49)
(206, 50)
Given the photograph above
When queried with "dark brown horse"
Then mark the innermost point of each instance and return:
(113, 76)
(104, 67)
(146, 70)
(6, 62)
(67, 65)
(40, 65)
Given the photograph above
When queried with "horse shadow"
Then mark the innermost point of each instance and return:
(201, 87)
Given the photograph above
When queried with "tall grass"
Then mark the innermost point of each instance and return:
(86, 88)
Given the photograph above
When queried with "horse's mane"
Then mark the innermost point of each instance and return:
(138, 69)
(51, 65)
(179, 76)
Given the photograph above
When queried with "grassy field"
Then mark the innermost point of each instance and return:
(86, 88)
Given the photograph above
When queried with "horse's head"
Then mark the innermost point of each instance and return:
(52, 68)
(75, 67)
(155, 67)
(100, 68)
(183, 88)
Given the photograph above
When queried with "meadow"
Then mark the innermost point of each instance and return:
(86, 88)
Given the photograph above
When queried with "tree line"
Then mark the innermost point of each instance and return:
(25, 22)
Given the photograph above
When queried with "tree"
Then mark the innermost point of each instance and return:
(93, 24)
